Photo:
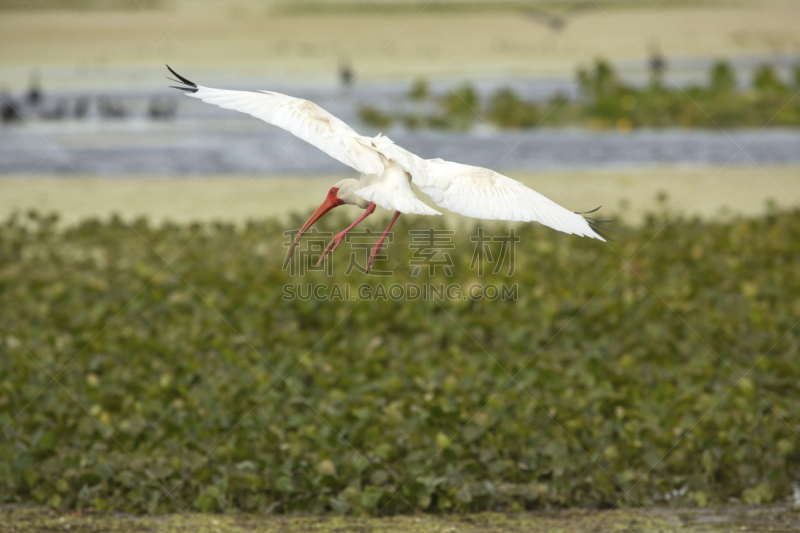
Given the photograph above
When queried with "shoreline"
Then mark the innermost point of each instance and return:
(629, 194)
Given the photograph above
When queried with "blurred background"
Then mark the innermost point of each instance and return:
(148, 359)
(512, 86)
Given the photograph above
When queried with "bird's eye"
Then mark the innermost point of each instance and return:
(333, 191)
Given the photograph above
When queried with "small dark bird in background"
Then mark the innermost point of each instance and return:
(162, 107)
(9, 111)
(34, 96)
(112, 108)
(81, 108)
(345, 72)
(657, 62)
(57, 112)
(554, 21)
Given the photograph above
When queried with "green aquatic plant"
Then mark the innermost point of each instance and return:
(507, 110)
(419, 89)
(723, 79)
(136, 359)
(374, 117)
(607, 102)
(765, 79)
(460, 107)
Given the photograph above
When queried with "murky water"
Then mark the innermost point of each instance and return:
(202, 139)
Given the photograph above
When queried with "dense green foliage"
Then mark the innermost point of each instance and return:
(720, 104)
(607, 102)
(661, 367)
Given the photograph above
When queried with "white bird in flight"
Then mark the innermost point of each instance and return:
(387, 172)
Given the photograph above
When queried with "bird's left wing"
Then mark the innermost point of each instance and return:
(482, 193)
(302, 118)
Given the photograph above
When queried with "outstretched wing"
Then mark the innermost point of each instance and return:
(466, 190)
(300, 117)
(482, 193)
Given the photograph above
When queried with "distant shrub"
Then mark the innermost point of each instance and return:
(608, 102)
(507, 110)
(419, 89)
(766, 79)
(599, 82)
(414, 121)
(372, 116)
(460, 107)
(723, 78)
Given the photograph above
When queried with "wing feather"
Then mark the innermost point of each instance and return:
(302, 118)
(482, 193)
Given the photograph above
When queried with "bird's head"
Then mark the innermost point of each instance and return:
(342, 193)
(345, 191)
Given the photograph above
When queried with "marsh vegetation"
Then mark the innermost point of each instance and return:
(606, 102)
(660, 368)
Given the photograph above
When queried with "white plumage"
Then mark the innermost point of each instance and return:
(391, 190)
(387, 170)
(302, 118)
(482, 193)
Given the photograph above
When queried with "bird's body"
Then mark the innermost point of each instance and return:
(388, 171)
(392, 190)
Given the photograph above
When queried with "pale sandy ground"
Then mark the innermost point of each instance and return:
(262, 39)
(707, 192)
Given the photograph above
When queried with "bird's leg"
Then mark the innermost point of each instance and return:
(377, 247)
(338, 238)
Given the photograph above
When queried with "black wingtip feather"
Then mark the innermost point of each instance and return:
(593, 223)
(187, 89)
(597, 227)
(598, 232)
(183, 80)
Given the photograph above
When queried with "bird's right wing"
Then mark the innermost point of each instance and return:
(302, 118)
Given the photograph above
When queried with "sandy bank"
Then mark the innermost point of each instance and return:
(628, 193)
